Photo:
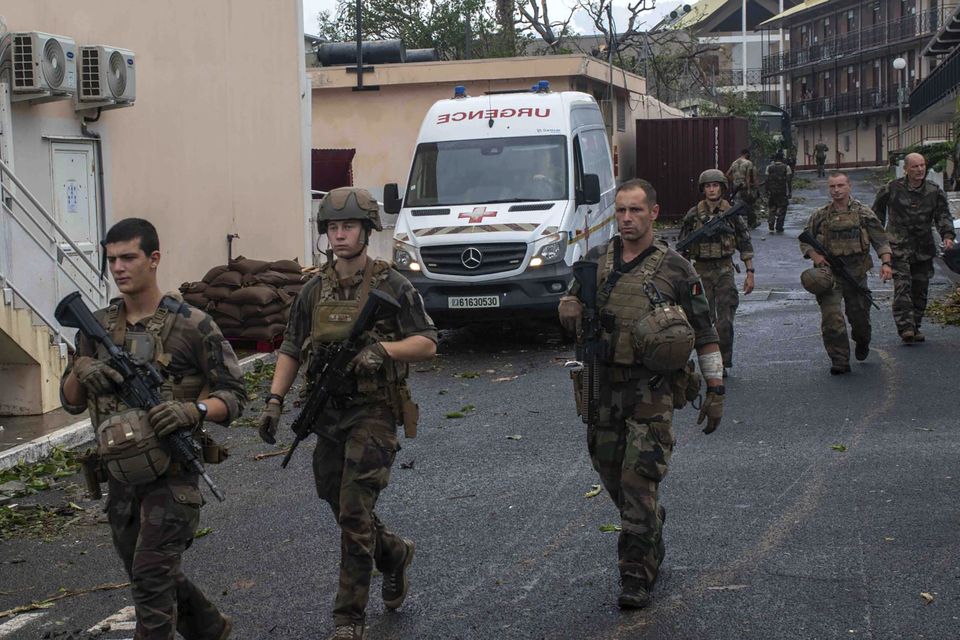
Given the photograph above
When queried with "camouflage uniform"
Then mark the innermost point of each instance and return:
(712, 259)
(154, 523)
(909, 214)
(820, 155)
(848, 235)
(632, 441)
(354, 454)
(778, 194)
(742, 175)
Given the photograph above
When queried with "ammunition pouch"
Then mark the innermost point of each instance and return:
(93, 473)
(405, 411)
(685, 384)
(130, 449)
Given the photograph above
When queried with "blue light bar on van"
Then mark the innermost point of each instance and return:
(459, 91)
(543, 86)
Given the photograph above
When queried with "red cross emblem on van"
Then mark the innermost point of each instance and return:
(477, 215)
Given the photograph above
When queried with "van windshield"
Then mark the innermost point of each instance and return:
(527, 169)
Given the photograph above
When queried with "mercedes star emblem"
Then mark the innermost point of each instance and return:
(471, 258)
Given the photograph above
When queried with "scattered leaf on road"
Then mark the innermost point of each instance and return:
(888, 538)
(728, 587)
(203, 531)
(927, 596)
(610, 528)
(505, 378)
(408, 465)
(838, 447)
(594, 491)
(514, 437)
(467, 374)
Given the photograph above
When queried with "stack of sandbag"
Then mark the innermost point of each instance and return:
(248, 298)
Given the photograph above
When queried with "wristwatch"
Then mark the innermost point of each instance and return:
(718, 390)
(751, 270)
(202, 407)
(275, 396)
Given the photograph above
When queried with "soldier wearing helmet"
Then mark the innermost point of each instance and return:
(742, 176)
(713, 257)
(352, 467)
(653, 315)
(846, 228)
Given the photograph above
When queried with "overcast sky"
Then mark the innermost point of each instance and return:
(558, 9)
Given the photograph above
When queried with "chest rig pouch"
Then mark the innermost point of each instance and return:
(126, 442)
(843, 235)
(721, 245)
(332, 320)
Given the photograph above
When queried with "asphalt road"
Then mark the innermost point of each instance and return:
(773, 531)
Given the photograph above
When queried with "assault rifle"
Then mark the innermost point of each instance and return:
(141, 382)
(716, 224)
(590, 345)
(837, 266)
(329, 373)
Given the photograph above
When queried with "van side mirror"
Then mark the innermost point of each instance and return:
(391, 198)
(589, 189)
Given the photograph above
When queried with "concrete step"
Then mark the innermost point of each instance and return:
(30, 363)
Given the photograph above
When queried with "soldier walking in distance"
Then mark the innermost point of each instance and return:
(779, 177)
(358, 439)
(742, 175)
(910, 206)
(847, 229)
(154, 503)
(631, 440)
(820, 155)
(713, 258)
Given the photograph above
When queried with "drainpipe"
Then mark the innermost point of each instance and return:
(101, 187)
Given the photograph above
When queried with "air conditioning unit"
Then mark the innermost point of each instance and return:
(44, 66)
(108, 77)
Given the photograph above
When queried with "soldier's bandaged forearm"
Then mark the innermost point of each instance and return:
(711, 365)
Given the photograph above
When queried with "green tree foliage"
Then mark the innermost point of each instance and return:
(421, 24)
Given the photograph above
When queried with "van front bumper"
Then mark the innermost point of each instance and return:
(535, 292)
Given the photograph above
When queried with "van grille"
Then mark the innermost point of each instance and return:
(493, 257)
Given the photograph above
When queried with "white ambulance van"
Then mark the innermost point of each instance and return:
(506, 191)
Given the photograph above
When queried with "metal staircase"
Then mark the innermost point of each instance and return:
(39, 264)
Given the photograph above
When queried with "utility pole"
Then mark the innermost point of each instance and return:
(743, 26)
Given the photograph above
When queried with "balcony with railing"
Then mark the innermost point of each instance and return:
(852, 102)
(942, 83)
(917, 25)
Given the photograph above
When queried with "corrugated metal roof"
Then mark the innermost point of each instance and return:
(776, 21)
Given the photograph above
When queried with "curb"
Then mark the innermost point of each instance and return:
(79, 433)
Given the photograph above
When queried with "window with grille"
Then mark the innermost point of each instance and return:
(621, 114)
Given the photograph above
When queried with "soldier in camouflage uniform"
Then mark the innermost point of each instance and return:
(820, 155)
(358, 440)
(743, 176)
(713, 258)
(779, 177)
(910, 206)
(632, 440)
(153, 503)
(847, 229)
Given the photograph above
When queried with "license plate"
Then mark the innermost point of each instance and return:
(473, 302)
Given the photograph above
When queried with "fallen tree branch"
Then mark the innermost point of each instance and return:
(66, 593)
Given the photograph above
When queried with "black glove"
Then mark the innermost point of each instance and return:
(268, 422)
(173, 415)
(97, 377)
(712, 411)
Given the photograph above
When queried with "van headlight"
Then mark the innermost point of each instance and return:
(405, 257)
(551, 252)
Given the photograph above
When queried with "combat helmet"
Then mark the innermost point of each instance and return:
(712, 175)
(663, 339)
(817, 280)
(349, 203)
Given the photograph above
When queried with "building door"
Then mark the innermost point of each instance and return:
(880, 158)
(75, 204)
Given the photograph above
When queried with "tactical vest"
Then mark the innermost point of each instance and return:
(636, 330)
(842, 234)
(126, 443)
(739, 171)
(777, 179)
(333, 319)
(720, 245)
